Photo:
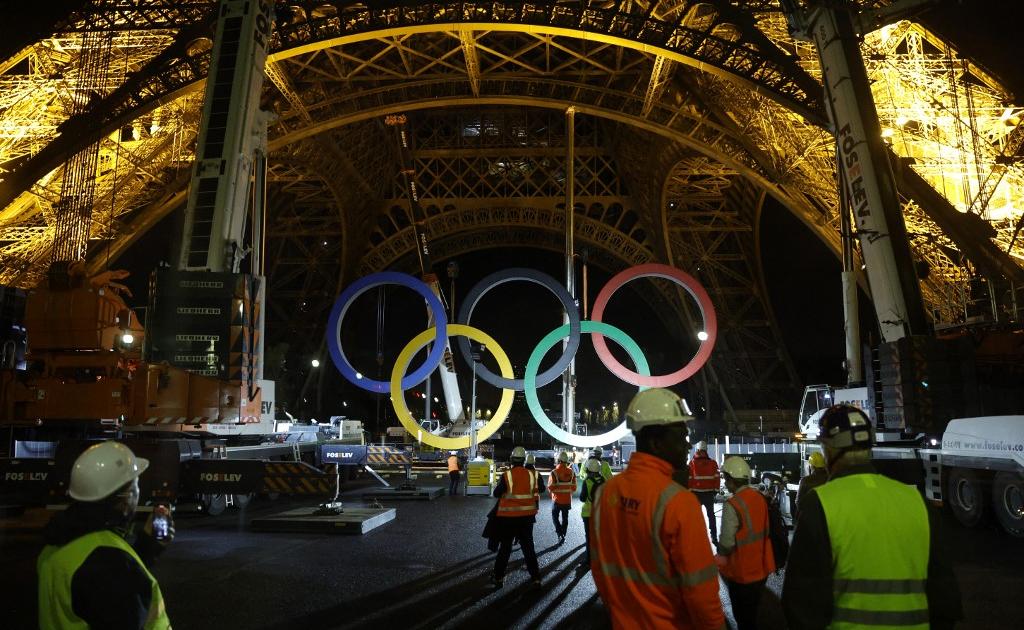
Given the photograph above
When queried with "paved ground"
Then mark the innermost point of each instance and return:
(429, 568)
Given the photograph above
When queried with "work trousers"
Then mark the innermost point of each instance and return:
(707, 499)
(560, 517)
(745, 599)
(520, 529)
(453, 482)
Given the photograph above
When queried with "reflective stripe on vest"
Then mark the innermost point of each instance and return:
(664, 576)
(878, 580)
(516, 501)
(57, 567)
(752, 559)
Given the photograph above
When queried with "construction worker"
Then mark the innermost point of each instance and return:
(592, 482)
(650, 567)
(864, 554)
(89, 576)
(561, 485)
(746, 558)
(704, 480)
(817, 476)
(453, 473)
(597, 453)
(518, 493)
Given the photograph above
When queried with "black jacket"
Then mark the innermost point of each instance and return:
(807, 590)
(93, 598)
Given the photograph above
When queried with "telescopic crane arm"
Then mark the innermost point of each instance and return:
(868, 183)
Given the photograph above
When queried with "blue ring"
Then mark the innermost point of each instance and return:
(536, 277)
(363, 285)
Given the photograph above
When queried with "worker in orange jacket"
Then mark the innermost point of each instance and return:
(651, 563)
(561, 485)
(746, 558)
(704, 480)
(518, 492)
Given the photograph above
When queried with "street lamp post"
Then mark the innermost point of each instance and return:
(477, 354)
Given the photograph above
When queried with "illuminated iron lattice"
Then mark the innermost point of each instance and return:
(710, 148)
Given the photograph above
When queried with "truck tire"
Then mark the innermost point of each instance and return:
(1008, 502)
(965, 494)
(213, 504)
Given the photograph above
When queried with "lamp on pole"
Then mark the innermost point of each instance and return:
(476, 354)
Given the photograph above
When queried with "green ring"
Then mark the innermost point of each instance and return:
(530, 381)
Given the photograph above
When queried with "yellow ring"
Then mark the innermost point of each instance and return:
(398, 397)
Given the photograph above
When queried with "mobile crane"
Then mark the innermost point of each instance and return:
(195, 371)
(947, 408)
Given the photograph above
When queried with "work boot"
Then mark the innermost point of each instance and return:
(535, 582)
(561, 540)
(497, 582)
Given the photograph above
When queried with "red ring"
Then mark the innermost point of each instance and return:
(692, 287)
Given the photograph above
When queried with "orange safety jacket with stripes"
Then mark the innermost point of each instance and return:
(704, 474)
(562, 484)
(521, 496)
(752, 559)
(651, 567)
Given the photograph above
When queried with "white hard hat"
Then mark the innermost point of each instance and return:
(736, 467)
(653, 407)
(102, 469)
(563, 457)
(593, 465)
(518, 453)
(530, 459)
(452, 453)
(597, 451)
(701, 446)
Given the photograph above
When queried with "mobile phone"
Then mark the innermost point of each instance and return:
(160, 523)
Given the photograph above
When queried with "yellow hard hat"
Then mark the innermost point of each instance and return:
(816, 460)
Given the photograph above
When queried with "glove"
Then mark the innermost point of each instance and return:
(148, 529)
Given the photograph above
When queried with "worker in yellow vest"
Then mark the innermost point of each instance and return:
(864, 554)
(518, 492)
(89, 576)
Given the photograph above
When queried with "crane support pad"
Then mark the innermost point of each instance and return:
(244, 476)
(358, 520)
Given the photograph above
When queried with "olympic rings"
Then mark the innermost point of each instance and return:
(397, 387)
(346, 299)
(698, 293)
(560, 434)
(546, 281)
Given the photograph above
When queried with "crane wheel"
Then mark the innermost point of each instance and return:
(966, 497)
(1008, 502)
(213, 504)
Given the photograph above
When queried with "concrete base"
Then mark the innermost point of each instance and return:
(397, 494)
(354, 520)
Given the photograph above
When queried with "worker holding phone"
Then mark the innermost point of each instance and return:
(86, 548)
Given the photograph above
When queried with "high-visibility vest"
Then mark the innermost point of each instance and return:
(591, 484)
(879, 532)
(703, 474)
(453, 463)
(561, 484)
(650, 568)
(753, 558)
(56, 568)
(521, 495)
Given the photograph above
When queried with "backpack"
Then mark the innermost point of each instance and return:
(778, 534)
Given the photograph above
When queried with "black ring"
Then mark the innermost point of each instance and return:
(537, 277)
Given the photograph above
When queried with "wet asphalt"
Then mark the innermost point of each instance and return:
(429, 568)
